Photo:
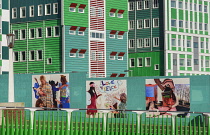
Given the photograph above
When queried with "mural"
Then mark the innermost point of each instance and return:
(106, 94)
(51, 91)
(167, 95)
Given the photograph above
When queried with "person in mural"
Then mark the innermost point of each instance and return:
(54, 90)
(91, 99)
(45, 92)
(170, 100)
(122, 105)
(63, 96)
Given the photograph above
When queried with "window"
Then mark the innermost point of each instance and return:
(189, 62)
(55, 8)
(196, 62)
(81, 55)
(56, 31)
(140, 43)
(156, 41)
(179, 42)
(191, 6)
(206, 27)
(81, 10)
(180, 4)
(120, 36)
(205, 9)
(195, 44)
(14, 13)
(72, 9)
(47, 9)
(180, 24)
(23, 56)
(119, 57)
(195, 7)
(111, 57)
(173, 23)
(72, 54)
(22, 34)
(147, 62)
(31, 34)
(173, 42)
(207, 63)
(200, 8)
(131, 24)
(48, 32)
(156, 66)
(186, 24)
(146, 4)
(100, 12)
(32, 55)
(92, 11)
(111, 36)
(207, 45)
(139, 24)
(156, 22)
(120, 15)
(49, 61)
(72, 32)
(200, 26)
(146, 23)
(81, 33)
(188, 43)
(202, 45)
(39, 55)
(139, 5)
(202, 63)
(39, 32)
(97, 35)
(146, 42)
(112, 14)
(173, 3)
(16, 34)
(140, 62)
(195, 25)
(15, 57)
(22, 12)
(31, 11)
(132, 64)
(186, 5)
(191, 26)
(155, 3)
(40, 10)
(181, 62)
(131, 43)
(131, 6)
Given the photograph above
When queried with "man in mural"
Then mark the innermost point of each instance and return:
(63, 96)
(91, 99)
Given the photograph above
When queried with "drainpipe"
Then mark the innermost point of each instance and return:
(135, 26)
(151, 26)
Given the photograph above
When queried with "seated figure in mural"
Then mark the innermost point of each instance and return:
(54, 90)
(170, 100)
(122, 105)
(63, 95)
(91, 99)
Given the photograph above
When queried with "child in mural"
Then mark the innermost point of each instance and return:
(91, 99)
(122, 105)
(63, 96)
(44, 92)
(54, 90)
(170, 100)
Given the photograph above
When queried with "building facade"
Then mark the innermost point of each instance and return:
(70, 36)
(168, 37)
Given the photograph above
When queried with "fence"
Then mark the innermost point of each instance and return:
(30, 121)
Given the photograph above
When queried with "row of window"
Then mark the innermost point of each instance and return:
(191, 62)
(182, 42)
(119, 13)
(144, 23)
(32, 10)
(37, 33)
(189, 6)
(143, 4)
(143, 42)
(189, 24)
(81, 8)
(143, 62)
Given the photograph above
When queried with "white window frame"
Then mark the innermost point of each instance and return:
(14, 12)
(111, 57)
(48, 61)
(72, 9)
(131, 6)
(55, 5)
(140, 43)
(81, 55)
(190, 63)
(30, 33)
(31, 11)
(156, 68)
(37, 32)
(179, 4)
(81, 33)
(21, 34)
(30, 55)
(129, 43)
(145, 42)
(180, 62)
(155, 3)
(182, 22)
(146, 1)
(130, 62)
(205, 27)
(72, 32)
(119, 15)
(46, 9)
(54, 29)
(175, 22)
(111, 35)
(140, 5)
(81, 10)
(154, 19)
(48, 33)
(146, 64)
(172, 42)
(145, 24)
(142, 24)
(21, 12)
(154, 41)
(111, 14)
(131, 24)
(175, 3)
(37, 54)
(40, 13)
(72, 54)
(119, 36)
(14, 60)
(100, 34)
(138, 61)
(21, 57)
(16, 34)
(205, 9)
(119, 57)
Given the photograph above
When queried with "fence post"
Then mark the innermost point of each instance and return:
(139, 118)
(174, 114)
(69, 116)
(105, 114)
(1, 114)
(32, 116)
(207, 121)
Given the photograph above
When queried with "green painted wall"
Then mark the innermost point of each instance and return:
(5, 51)
(5, 4)
(156, 58)
(4, 87)
(5, 27)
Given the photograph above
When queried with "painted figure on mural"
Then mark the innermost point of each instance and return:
(122, 105)
(169, 98)
(63, 95)
(91, 99)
